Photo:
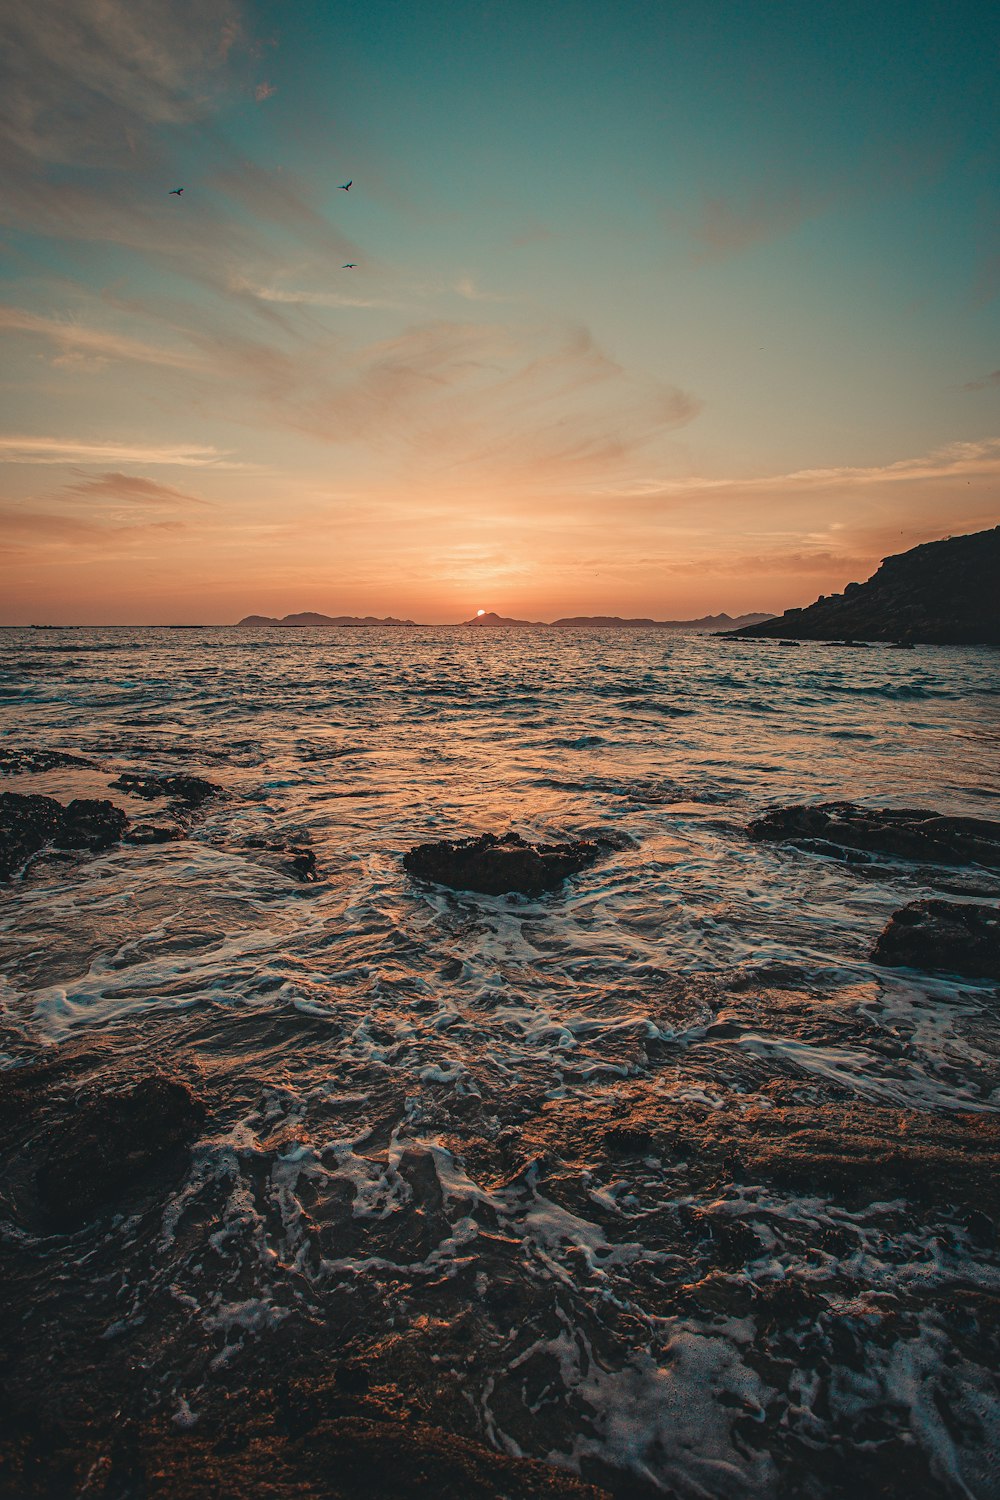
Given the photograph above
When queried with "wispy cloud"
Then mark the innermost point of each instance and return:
(296, 297)
(726, 226)
(956, 460)
(101, 345)
(116, 486)
(264, 91)
(476, 400)
(81, 88)
(993, 379)
(30, 530)
(55, 450)
(467, 287)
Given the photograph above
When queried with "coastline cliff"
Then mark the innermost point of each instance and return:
(943, 593)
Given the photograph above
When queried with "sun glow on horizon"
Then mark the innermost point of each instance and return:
(480, 612)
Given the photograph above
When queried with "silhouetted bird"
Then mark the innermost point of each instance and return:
(350, 266)
(178, 191)
(345, 187)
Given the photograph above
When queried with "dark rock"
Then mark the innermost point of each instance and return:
(302, 865)
(27, 824)
(960, 938)
(91, 823)
(943, 593)
(112, 1140)
(192, 791)
(18, 762)
(352, 1377)
(153, 833)
(628, 1140)
(905, 833)
(495, 865)
(352, 1458)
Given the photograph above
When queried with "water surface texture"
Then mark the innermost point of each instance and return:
(483, 1145)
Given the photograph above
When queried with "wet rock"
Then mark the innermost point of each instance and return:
(959, 938)
(629, 1140)
(27, 824)
(91, 823)
(109, 1142)
(352, 1377)
(495, 865)
(19, 762)
(355, 1458)
(153, 833)
(190, 791)
(30, 823)
(905, 833)
(302, 865)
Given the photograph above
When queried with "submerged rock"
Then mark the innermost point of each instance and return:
(192, 791)
(110, 1141)
(153, 833)
(20, 762)
(302, 864)
(497, 864)
(30, 823)
(906, 833)
(960, 938)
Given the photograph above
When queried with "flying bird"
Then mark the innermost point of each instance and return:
(350, 266)
(345, 187)
(178, 191)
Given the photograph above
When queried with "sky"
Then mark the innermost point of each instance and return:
(658, 309)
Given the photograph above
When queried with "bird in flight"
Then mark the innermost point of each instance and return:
(345, 187)
(178, 191)
(350, 266)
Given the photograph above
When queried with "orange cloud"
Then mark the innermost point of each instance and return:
(117, 486)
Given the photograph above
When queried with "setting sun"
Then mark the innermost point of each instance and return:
(480, 612)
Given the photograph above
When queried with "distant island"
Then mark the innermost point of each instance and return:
(310, 620)
(943, 593)
(490, 620)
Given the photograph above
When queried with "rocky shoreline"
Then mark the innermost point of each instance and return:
(148, 1192)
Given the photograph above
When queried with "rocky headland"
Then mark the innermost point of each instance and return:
(943, 593)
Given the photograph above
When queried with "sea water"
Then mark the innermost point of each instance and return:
(393, 1070)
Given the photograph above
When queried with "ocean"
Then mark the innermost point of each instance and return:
(602, 1178)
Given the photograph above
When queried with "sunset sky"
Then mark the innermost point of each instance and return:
(659, 309)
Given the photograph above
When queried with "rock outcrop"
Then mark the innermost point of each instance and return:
(942, 593)
(495, 866)
(30, 823)
(18, 762)
(109, 1142)
(189, 791)
(954, 937)
(901, 833)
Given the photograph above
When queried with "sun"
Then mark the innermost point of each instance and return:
(480, 611)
